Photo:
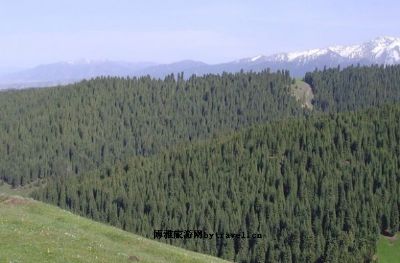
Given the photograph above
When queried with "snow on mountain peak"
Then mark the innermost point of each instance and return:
(385, 50)
(256, 58)
(385, 40)
(86, 61)
(312, 53)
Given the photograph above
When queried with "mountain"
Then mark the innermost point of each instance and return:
(32, 231)
(67, 72)
(190, 67)
(382, 50)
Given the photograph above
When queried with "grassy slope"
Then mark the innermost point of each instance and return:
(303, 93)
(31, 231)
(20, 191)
(389, 250)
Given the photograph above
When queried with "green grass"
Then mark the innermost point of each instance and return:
(389, 249)
(21, 191)
(303, 93)
(32, 231)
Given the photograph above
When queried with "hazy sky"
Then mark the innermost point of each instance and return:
(44, 31)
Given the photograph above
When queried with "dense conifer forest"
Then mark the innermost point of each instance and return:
(354, 87)
(73, 129)
(230, 153)
(319, 189)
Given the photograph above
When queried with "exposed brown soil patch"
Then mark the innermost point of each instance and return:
(303, 93)
(133, 259)
(10, 200)
(391, 238)
(389, 235)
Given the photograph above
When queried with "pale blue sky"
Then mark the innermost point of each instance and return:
(45, 31)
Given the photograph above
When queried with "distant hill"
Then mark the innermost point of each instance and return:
(68, 72)
(382, 50)
(190, 67)
(32, 231)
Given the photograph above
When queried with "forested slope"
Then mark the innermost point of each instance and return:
(146, 154)
(354, 87)
(70, 130)
(318, 189)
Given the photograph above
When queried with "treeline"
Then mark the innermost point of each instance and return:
(354, 87)
(77, 128)
(319, 189)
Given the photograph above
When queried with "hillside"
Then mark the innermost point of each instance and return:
(329, 182)
(226, 154)
(32, 231)
(80, 127)
(354, 88)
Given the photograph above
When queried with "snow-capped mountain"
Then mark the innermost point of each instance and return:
(382, 50)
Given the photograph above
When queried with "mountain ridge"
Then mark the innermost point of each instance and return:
(384, 49)
(381, 50)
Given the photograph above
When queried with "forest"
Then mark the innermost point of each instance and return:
(77, 128)
(319, 189)
(221, 153)
(354, 87)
